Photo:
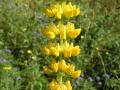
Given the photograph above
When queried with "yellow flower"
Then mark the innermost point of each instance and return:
(58, 11)
(54, 65)
(66, 49)
(62, 32)
(75, 51)
(48, 12)
(54, 11)
(62, 65)
(76, 11)
(58, 47)
(67, 53)
(7, 68)
(46, 51)
(71, 31)
(70, 10)
(54, 51)
(50, 35)
(52, 85)
(68, 85)
(61, 87)
(74, 33)
(70, 69)
(47, 70)
(76, 74)
(50, 31)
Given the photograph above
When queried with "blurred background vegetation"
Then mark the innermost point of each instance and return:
(20, 40)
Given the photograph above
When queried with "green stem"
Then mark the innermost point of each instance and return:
(59, 77)
(102, 62)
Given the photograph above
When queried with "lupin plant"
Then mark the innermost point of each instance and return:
(59, 45)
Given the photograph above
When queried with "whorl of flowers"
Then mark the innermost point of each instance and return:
(59, 45)
(65, 9)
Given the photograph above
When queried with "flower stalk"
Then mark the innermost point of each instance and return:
(61, 48)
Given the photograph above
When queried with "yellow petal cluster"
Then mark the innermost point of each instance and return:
(54, 85)
(65, 49)
(51, 49)
(64, 31)
(61, 66)
(54, 11)
(71, 31)
(50, 31)
(70, 10)
(65, 9)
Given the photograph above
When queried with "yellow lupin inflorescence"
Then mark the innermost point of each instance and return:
(65, 9)
(59, 47)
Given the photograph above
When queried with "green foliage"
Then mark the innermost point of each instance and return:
(20, 24)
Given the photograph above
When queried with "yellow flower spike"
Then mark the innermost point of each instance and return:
(54, 51)
(75, 51)
(54, 65)
(7, 68)
(47, 70)
(62, 66)
(46, 51)
(76, 74)
(68, 85)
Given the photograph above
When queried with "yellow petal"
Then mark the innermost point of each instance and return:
(50, 35)
(62, 65)
(67, 53)
(75, 51)
(54, 51)
(52, 85)
(70, 69)
(62, 32)
(47, 70)
(46, 51)
(54, 65)
(68, 85)
(76, 74)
